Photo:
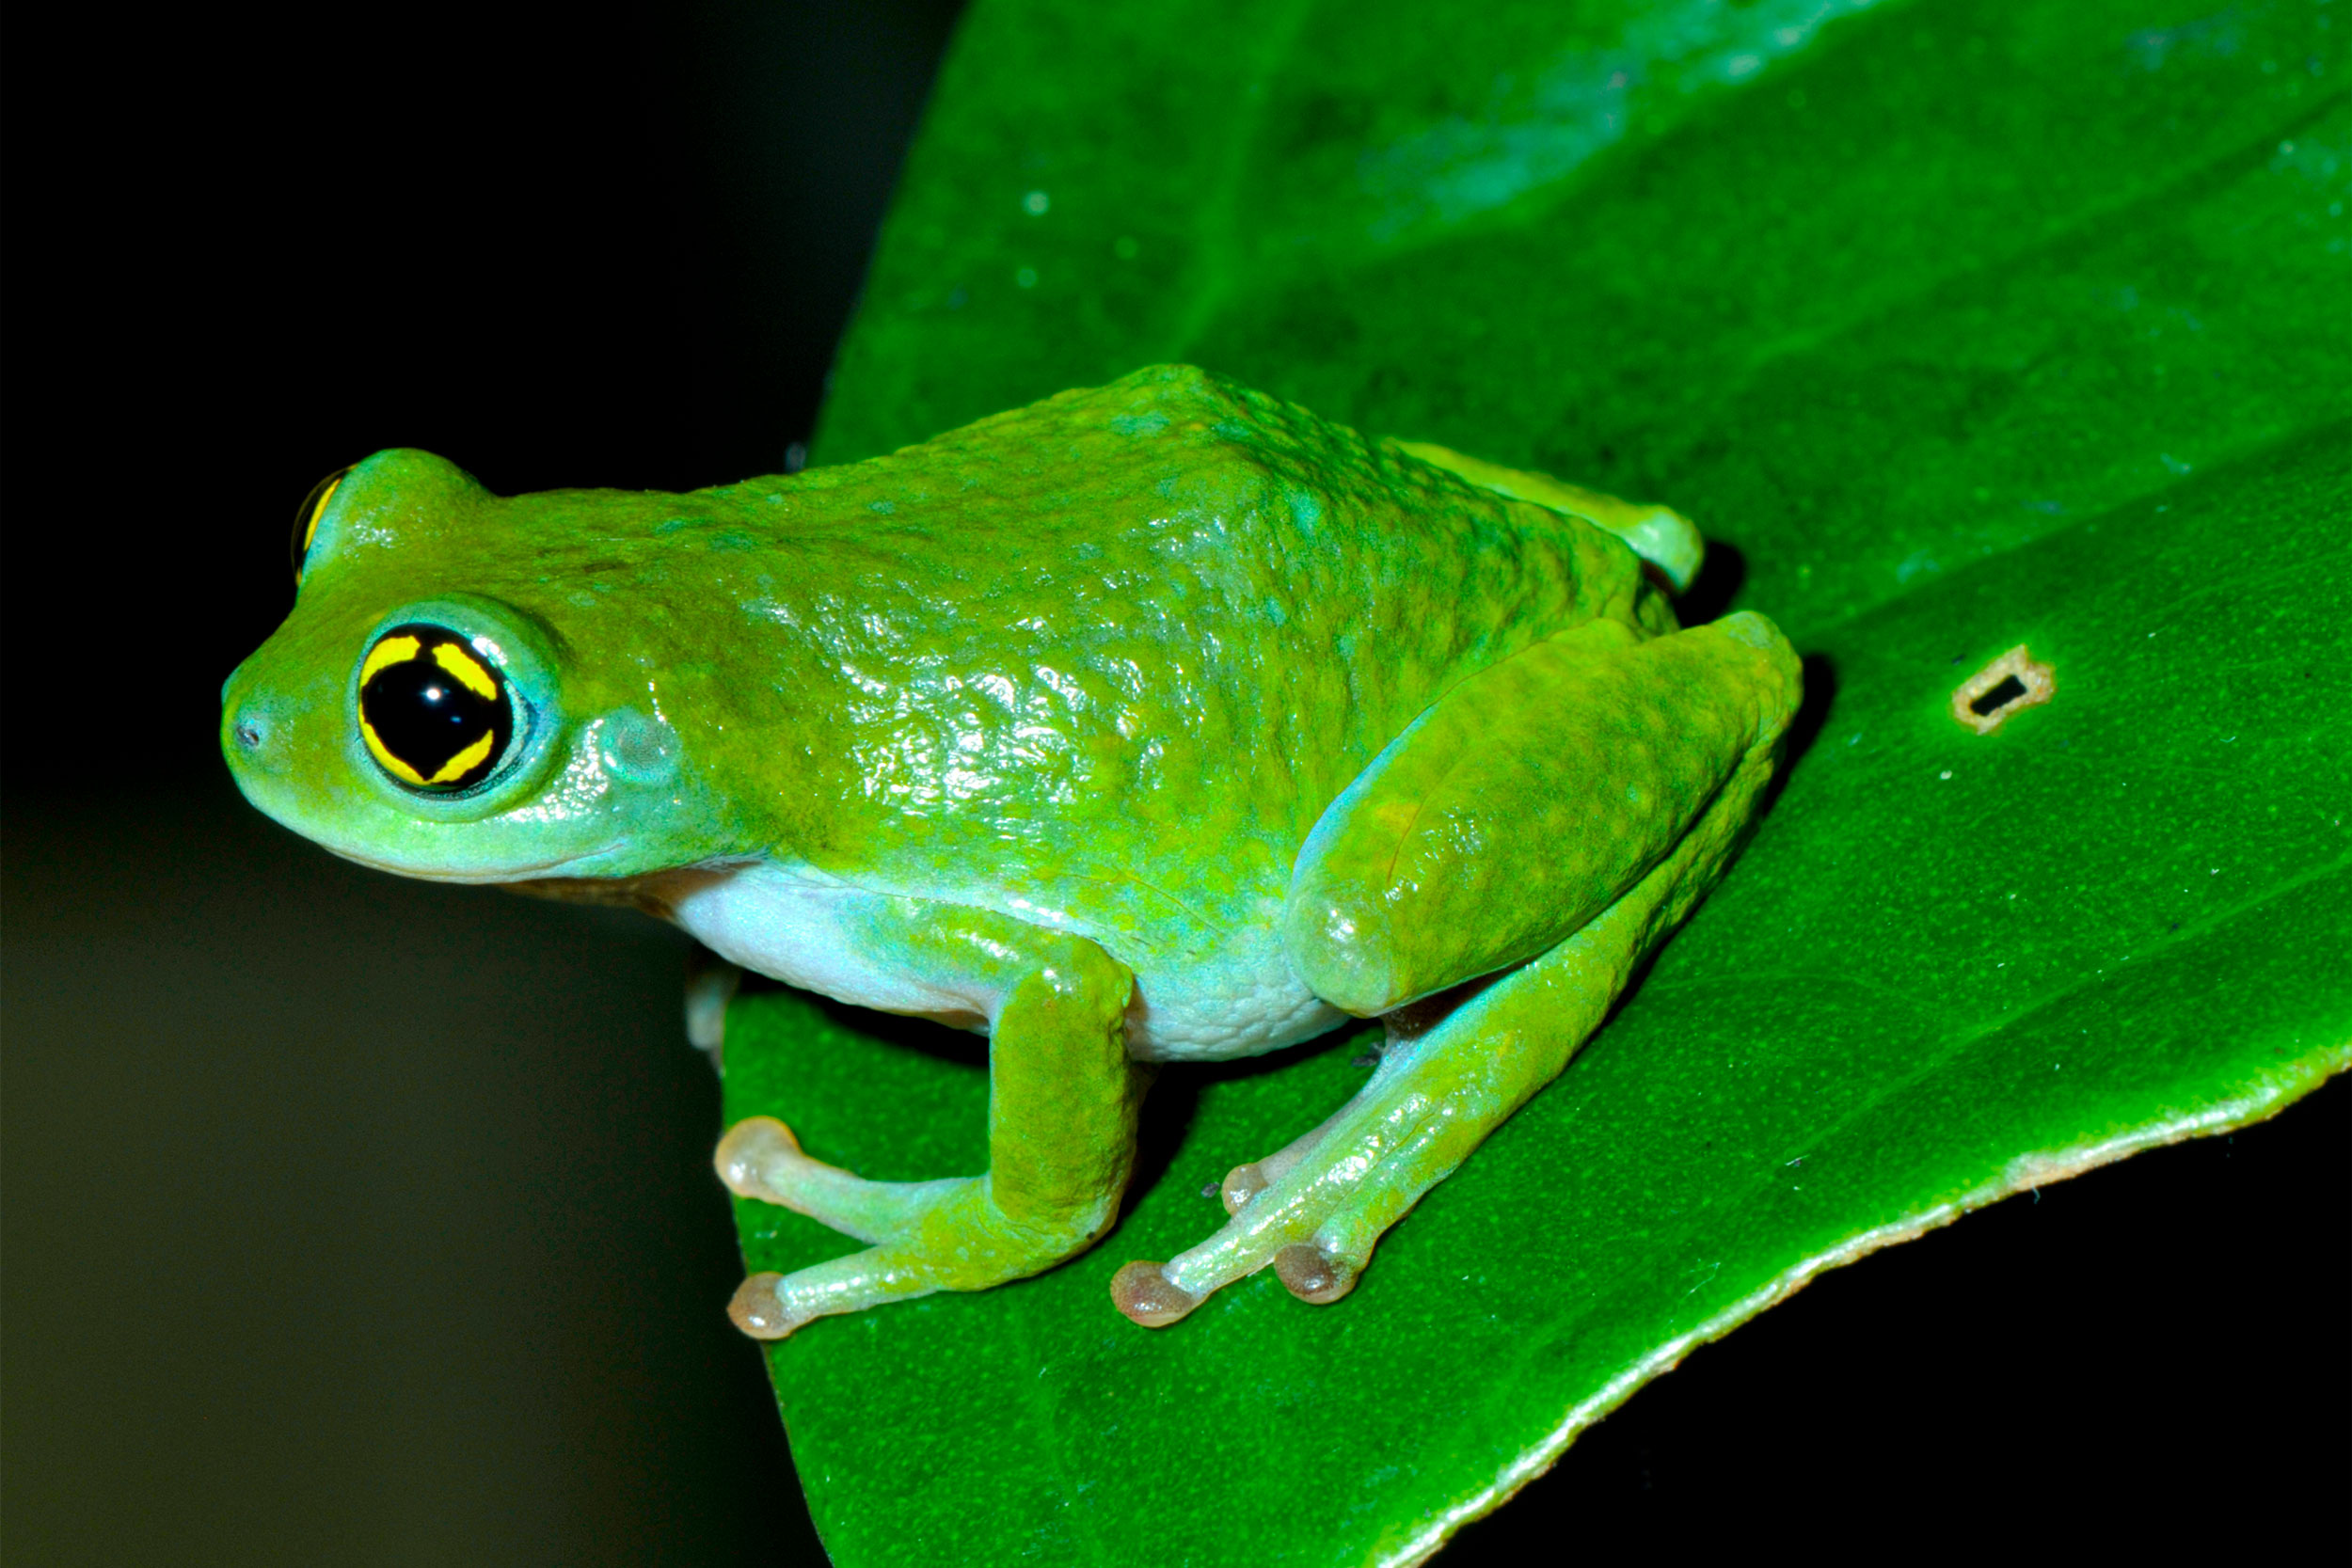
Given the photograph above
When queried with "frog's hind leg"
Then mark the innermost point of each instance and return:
(1547, 833)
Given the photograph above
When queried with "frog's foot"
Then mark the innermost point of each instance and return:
(760, 1158)
(927, 1236)
(1314, 1209)
(1145, 1293)
(1404, 1025)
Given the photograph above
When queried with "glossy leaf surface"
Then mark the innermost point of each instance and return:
(1958, 327)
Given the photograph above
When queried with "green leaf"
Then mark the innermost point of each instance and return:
(1957, 327)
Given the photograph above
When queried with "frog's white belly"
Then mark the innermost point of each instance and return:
(807, 930)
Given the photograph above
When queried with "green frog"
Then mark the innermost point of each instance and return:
(1162, 721)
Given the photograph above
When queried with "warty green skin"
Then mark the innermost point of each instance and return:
(1041, 714)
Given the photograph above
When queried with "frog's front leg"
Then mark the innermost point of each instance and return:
(1063, 1098)
(1545, 825)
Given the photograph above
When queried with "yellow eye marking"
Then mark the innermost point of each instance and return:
(467, 668)
(398, 768)
(392, 650)
(312, 531)
(465, 761)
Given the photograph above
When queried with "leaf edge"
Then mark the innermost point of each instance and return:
(2270, 1093)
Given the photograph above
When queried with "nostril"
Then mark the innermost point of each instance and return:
(248, 733)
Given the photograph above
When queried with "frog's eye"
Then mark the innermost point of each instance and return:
(307, 520)
(436, 716)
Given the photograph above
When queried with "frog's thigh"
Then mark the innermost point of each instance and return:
(1525, 802)
(1063, 1098)
(1438, 1093)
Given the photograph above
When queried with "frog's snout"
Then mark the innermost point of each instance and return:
(253, 732)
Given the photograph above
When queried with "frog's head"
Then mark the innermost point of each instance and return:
(461, 691)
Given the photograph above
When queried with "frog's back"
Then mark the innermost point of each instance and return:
(1162, 613)
(1202, 560)
(1103, 661)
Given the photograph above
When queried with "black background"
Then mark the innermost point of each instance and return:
(364, 1221)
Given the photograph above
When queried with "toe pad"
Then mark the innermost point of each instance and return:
(758, 1312)
(1241, 1184)
(1145, 1294)
(1314, 1276)
(749, 1146)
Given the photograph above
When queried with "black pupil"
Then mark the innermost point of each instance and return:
(426, 716)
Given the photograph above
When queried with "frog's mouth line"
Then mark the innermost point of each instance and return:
(529, 871)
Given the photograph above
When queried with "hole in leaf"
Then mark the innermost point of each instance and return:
(2000, 696)
(2013, 681)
